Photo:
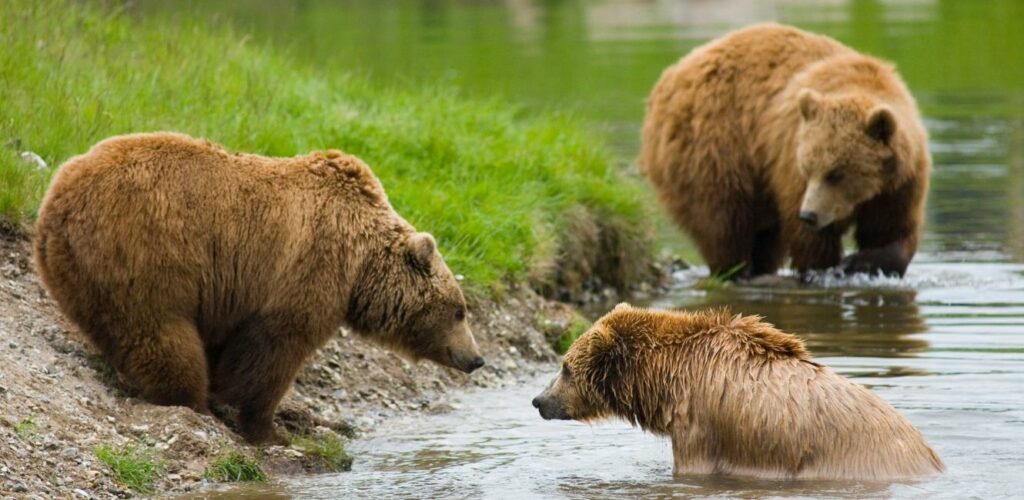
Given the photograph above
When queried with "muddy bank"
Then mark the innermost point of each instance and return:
(59, 402)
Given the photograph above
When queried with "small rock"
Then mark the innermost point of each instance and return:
(111, 419)
(79, 493)
(201, 435)
(32, 159)
(19, 488)
(139, 428)
(69, 453)
(174, 477)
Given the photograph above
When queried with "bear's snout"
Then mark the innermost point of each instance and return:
(477, 362)
(811, 218)
(550, 408)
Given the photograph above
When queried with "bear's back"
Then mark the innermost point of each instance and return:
(174, 224)
(788, 416)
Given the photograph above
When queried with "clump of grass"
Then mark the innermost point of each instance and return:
(132, 465)
(719, 280)
(561, 333)
(328, 449)
(235, 467)
(565, 341)
(492, 183)
(25, 429)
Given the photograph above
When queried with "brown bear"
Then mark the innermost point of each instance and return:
(736, 396)
(772, 141)
(201, 274)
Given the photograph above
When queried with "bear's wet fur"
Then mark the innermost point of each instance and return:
(736, 396)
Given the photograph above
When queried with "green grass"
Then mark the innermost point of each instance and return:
(719, 280)
(25, 429)
(235, 467)
(329, 449)
(133, 466)
(492, 183)
(576, 329)
(561, 335)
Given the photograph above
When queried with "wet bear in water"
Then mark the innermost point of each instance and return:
(736, 395)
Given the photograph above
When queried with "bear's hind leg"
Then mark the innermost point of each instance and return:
(166, 362)
(726, 241)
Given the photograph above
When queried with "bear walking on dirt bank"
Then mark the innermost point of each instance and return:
(736, 396)
(200, 273)
(772, 141)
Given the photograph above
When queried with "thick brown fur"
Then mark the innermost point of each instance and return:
(737, 396)
(201, 273)
(748, 131)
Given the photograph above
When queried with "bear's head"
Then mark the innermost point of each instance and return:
(407, 299)
(590, 383)
(846, 153)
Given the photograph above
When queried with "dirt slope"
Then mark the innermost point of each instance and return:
(59, 401)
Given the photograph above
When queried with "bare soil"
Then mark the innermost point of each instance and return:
(59, 401)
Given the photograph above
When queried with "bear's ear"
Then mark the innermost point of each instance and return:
(421, 247)
(809, 105)
(622, 306)
(881, 124)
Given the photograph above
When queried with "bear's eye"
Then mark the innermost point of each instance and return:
(834, 177)
(460, 314)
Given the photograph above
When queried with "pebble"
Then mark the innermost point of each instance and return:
(79, 493)
(111, 419)
(69, 453)
(140, 428)
(288, 452)
(19, 488)
(201, 435)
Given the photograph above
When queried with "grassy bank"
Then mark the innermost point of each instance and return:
(499, 189)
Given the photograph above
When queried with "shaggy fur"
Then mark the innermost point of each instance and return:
(751, 131)
(736, 396)
(201, 273)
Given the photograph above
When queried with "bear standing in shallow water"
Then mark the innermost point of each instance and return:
(200, 273)
(736, 396)
(771, 142)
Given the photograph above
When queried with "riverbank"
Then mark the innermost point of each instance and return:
(511, 197)
(60, 404)
(521, 206)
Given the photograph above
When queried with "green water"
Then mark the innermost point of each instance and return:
(945, 345)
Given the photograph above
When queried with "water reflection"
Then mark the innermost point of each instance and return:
(858, 322)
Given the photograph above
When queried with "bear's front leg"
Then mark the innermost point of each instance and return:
(255, 371)
(890, 260)
(811, 249)
(888, 229)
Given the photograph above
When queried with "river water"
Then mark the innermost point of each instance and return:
(945, 345)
